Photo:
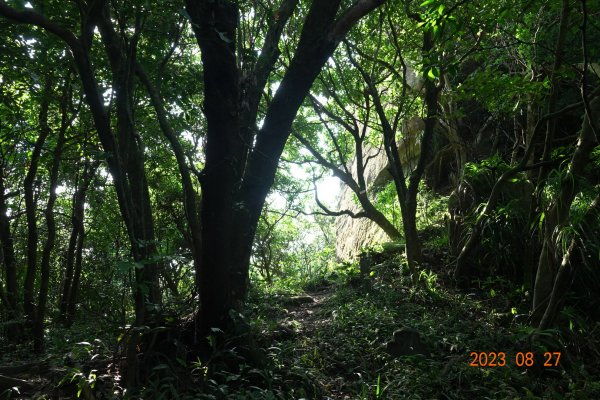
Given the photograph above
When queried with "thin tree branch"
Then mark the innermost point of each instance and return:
(34, 18)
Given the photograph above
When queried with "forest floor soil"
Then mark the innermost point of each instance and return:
(309, 316)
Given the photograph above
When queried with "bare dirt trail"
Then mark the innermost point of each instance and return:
(305, 313)
(306, 321)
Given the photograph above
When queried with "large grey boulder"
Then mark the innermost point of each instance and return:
(353, 234)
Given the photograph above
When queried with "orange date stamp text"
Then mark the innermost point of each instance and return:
(486, 359)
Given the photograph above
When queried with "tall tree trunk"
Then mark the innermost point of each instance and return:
(30, 206)
(38, 325)
(321, 34)
(73, 268)
(215, 29)
(75, 285)
(70, 256)
(555, 89)
(10, 265)
(409, 220)
(121, 52)
(190, 197)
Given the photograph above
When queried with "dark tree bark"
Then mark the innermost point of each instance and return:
(321, 34)
(73, 266)
(38, 325)
(9, 262)
(77, 269)
(31, 206)
(214, 25)
(555, 89)
(409, 213)
(190, 197)
(70, 256)
(121, 53)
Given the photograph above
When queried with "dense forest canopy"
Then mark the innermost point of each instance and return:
(189, 187)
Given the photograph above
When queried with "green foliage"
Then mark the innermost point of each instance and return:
(500, 250)
(484, 174)
(431, 208)
(345, 353)
(386, 201)
(291, 250)
(85, 383)
(501, 93)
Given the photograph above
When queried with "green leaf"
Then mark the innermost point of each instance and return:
(427, 2)
(546, 84)
(433, 73)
